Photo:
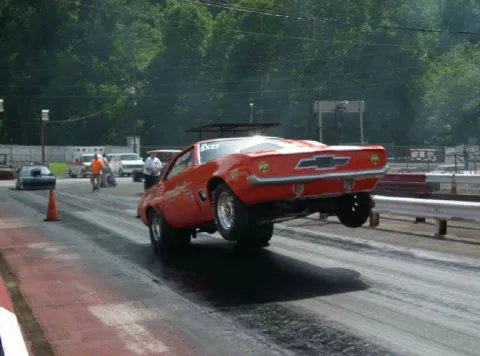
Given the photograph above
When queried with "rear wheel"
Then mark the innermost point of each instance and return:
(230, 214)
(235, 222)
(354, 209)
(163, 237)
(258, 237)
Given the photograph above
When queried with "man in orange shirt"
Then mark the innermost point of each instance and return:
(96, 167)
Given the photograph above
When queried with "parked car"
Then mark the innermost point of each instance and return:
(241, 186)
(34, 177)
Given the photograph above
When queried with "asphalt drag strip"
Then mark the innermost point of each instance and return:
(302, 296)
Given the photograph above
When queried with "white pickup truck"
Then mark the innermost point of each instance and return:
(123, 164)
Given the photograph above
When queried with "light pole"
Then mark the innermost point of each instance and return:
(45, 118)
(251, 113)
(132, 92)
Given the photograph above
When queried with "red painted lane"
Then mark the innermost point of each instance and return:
(5, 301)
(80, 313)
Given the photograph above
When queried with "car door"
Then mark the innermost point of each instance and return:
(181, 207)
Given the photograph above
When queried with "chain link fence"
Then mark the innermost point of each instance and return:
(448, 159)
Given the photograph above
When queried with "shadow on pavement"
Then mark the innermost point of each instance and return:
(214, 272)
(217, 273)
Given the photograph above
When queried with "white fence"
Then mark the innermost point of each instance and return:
(17, 153)
(440, 210)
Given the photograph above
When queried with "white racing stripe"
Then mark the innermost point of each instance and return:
(11, 334)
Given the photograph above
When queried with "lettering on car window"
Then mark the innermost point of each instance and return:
(206, 146)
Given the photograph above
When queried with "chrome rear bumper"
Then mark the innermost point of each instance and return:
(254, 180)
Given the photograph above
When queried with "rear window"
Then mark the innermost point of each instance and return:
(28, 169)
(214, 149)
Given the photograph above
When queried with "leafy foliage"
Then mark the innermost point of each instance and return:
(193, 62)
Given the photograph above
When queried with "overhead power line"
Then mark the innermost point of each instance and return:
(252, 33)
(328, 20)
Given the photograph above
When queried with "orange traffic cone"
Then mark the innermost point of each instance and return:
(52, 214)
(453, 190)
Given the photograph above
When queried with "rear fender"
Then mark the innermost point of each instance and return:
(232, 170)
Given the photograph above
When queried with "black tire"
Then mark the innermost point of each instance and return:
(262, 235)
(136, 177)
(239, 223)
(258, 237)
(244, 228)
(163, 237)
(354, 209)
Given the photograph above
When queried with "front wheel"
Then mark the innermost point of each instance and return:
(163, 237)
(354, 209)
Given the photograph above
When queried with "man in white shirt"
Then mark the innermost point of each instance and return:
(152, 170)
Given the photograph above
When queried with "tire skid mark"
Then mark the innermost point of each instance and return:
(280, 323)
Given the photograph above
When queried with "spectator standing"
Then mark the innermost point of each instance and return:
(96, 167)
(466, 158)
(151, 170)
(105, 170)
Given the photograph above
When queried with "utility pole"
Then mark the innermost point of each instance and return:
(251, 112)
(132, 93)
(45, 118)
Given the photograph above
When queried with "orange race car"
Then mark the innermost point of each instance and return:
(241, 186)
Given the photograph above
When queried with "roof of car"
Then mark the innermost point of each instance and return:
(165, 151)
(239, 138)
(33, 166)
(232, 127)
(121, 154)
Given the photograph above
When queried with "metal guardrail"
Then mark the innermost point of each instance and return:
(440, 210)
(450, 178)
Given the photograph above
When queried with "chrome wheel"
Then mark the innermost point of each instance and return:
(225, 210)
(156, 227)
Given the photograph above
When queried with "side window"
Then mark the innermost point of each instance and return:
(181, 164)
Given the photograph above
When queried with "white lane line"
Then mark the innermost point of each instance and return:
(11, 334)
